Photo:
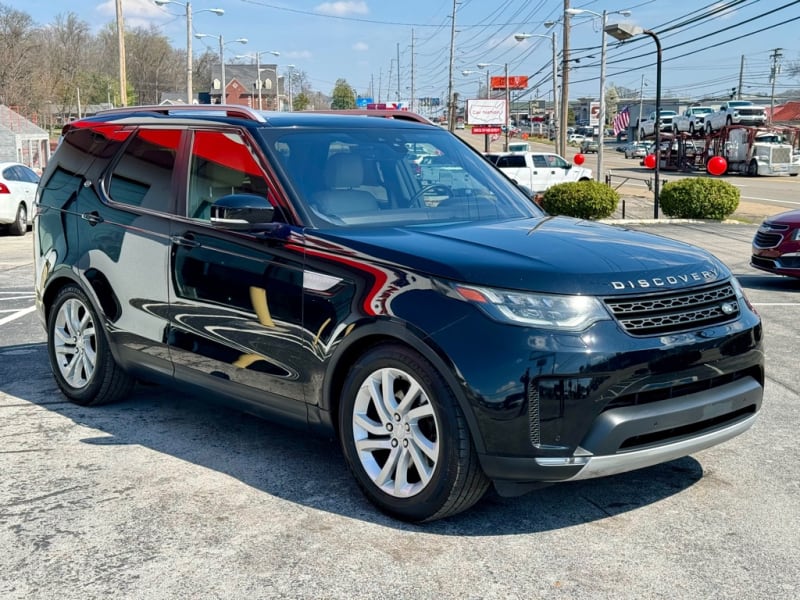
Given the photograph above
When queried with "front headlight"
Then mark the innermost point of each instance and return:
(550, 311)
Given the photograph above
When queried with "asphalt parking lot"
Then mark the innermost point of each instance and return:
(169, 496)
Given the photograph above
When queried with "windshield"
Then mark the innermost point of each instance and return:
(391, 176)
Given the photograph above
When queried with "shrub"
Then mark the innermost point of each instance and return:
(581, 199)
(699, 198)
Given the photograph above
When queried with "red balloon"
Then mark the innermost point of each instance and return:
(717, 165)
(579, 158)
(650, 161)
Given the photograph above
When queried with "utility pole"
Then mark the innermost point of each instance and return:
(776, 68)
(564, 81)
(411, 101)
(451, 109)
(123, 85)
(741, 80)
(398, 72)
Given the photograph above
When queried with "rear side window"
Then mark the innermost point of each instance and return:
(221, 164)
(512, 160)
(142, 176)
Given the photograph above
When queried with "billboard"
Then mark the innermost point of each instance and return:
(515, 82)
(486, 111)
(594, 114)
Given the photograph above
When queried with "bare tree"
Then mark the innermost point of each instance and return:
(17, 45)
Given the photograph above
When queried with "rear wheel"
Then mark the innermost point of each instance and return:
(20, 224)
(80, 358)
(405, 438)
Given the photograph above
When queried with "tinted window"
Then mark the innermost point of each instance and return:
(142, 176)
(221, 164)
(27, 174)
(512, 160)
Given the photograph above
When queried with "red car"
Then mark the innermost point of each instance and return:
(776, 245)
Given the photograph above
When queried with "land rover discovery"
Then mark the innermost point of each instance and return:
(449, 333)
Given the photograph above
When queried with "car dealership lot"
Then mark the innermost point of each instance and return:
(166, 495)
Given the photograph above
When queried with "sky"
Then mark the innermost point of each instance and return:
(365, 41)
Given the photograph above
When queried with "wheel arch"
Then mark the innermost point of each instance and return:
(98, 290)
(385, 332)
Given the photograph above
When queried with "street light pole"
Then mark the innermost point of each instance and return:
(523, 36)
(625, 31)
(601, 116)
(188, 6)
(257, 56)
(224, 90)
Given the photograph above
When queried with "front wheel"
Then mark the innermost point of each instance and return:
(80, 358)
(405, 438)
(752, 168)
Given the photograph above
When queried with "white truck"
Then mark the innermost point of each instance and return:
(754, 150)
(692, 120)
(736, 112)
(537, 171)
(647, 127)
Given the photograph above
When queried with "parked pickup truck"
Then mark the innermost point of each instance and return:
(736, 112)
(537, 171)
(647, 127)
(691, 120)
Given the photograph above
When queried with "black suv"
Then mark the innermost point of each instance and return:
(310, 268)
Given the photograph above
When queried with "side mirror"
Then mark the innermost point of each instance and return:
(241, 211)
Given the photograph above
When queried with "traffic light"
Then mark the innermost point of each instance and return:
(733, 93)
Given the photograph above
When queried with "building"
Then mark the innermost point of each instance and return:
(22, 140)
(244, 87)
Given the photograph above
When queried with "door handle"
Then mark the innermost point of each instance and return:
(185, 241)
(93, 218)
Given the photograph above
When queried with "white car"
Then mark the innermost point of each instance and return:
(537, 171)
(17, 191)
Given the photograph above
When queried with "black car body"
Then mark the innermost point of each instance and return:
(444, 328)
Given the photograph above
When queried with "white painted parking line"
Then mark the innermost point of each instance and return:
(17, 315)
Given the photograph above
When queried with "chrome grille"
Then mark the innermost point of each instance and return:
(676, 311)
(764, 239)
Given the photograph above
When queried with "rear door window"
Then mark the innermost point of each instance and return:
(143, 175)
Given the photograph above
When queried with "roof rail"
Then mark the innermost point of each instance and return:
(228, 110)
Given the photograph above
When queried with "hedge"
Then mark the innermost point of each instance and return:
(699, 198)
(581, 199)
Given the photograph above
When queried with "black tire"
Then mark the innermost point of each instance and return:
(426, 443)
(709, 129)
(80, 358)
(752, 168)
(20, 224)
(691, 129)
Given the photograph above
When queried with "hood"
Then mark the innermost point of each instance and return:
(549, 254)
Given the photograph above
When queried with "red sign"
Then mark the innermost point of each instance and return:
(515, 82)
(485, 129)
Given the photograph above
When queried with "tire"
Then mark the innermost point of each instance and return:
(728, 122)
(80, 358)
(709, 129)
(691, 129)
(416, 462)
(641, 134)
(752, 168)
(20, 224)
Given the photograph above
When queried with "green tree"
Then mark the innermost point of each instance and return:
(344, 96)
(301, 101)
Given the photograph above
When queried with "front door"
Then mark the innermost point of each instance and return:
(236, 310)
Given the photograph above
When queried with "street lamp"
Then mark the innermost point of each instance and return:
(508, 98)
(625, 31)
(257, 56)
(601, 117)
(224, 92)
(523, 36)
(290, 70)
(188, 6)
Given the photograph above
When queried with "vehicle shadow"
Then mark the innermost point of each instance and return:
(311, 471)
(767, 282)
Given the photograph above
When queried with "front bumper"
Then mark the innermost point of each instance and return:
(634, 437)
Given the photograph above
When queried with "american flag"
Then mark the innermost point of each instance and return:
(622, 120)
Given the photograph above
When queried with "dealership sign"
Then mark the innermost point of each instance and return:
(515, 82)
(486, 129)
(487, 111)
